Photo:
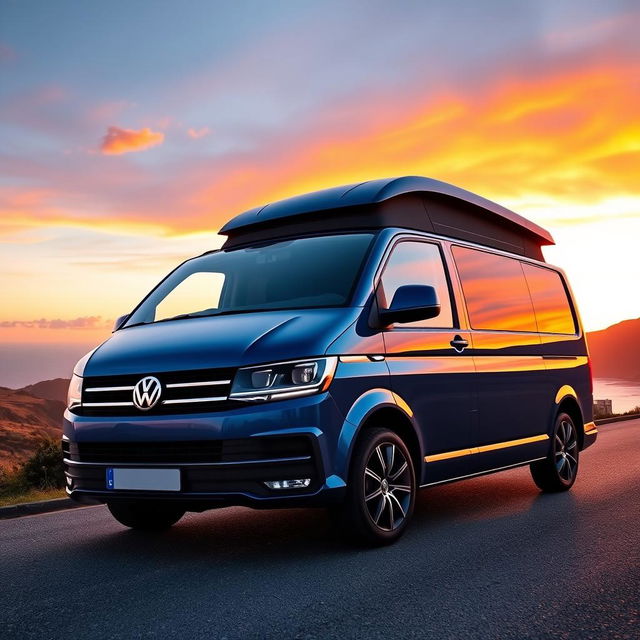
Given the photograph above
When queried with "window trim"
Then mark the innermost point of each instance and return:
(377, 279)
(535, 263)
(567, 293)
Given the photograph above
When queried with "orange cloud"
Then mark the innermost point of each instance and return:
(198, 133)
(570, 136)
(118, 141)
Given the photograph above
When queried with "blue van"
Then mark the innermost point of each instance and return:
(344, 348)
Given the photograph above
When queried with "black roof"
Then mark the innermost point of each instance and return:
(439, 211)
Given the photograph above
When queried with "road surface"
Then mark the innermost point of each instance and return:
(485, 558)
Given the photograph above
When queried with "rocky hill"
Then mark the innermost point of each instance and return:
(49, 389)
(25, 419)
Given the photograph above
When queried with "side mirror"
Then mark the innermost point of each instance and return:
(411, 302)
(120, 321)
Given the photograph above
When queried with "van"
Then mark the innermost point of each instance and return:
(343, 349)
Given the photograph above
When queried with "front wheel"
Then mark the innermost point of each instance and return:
(145, 516)
(382, 489)
(558, 471)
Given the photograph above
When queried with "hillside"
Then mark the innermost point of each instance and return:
(24, 419)
(615, 351)
(49, 389)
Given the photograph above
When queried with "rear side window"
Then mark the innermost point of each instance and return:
(550, 301)
(418, 263)
(495, 291)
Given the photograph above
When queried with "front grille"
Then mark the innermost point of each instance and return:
(203, 451)
(199, 391)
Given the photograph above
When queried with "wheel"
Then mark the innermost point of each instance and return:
(381, 490)
(557, 472)
(145, 516)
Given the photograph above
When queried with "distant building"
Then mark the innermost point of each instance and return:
(602, 408)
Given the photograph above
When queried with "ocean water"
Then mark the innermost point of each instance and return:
(23, 364)
(624, 394)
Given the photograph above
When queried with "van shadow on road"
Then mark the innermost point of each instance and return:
(296, 534)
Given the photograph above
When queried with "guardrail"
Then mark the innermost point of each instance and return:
(633, 416)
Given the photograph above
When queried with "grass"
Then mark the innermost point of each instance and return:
(32, 495)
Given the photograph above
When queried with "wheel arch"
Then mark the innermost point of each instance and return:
(380, 408)
(567, 401)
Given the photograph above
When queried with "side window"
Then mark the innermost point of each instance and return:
(495, 291)
(550, 301)
(418, 263)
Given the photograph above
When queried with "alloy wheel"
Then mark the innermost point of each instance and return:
(565, 451)
(387, 486)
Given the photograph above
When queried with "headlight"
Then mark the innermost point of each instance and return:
(74, 395)
(283, 379)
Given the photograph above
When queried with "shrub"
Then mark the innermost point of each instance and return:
(44, 469)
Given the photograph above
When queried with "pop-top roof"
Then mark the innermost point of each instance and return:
(370, 193)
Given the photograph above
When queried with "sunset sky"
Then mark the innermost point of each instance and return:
(130, 131)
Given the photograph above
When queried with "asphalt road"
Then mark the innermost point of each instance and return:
(484, 558)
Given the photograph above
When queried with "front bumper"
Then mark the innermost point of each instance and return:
(224, 458)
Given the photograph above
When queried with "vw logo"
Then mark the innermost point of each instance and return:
(146, 393)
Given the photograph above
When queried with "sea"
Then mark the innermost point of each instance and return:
(624, 394)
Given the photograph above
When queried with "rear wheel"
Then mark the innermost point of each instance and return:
(557, 472)
(145, 516)
(381, 491)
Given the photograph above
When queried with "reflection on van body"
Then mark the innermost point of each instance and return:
(343, 349)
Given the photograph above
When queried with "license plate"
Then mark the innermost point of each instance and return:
(144, 479)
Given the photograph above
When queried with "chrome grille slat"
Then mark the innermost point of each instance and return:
(187, 400)
(190, 391)
(107, 404)
(206, 383)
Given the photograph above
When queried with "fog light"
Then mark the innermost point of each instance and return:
(300, 483)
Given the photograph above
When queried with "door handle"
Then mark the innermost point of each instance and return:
(459, 344)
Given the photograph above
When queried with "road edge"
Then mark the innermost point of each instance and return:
(41, 506)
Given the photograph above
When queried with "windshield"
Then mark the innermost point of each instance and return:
(293, 274)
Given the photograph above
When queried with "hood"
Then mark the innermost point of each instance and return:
(224, 341)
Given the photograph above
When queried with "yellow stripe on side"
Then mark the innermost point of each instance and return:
(590, 428)
(511, 443)
(448, 455)
(484, 448)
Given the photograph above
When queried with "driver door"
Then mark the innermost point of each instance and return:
(431, 369)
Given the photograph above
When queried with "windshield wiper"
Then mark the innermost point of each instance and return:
(180, 316)
(184, 316)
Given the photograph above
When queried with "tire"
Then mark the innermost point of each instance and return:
(146, 516)
(558, 471)
(381, 491)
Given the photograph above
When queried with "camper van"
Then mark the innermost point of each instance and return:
(343, 349)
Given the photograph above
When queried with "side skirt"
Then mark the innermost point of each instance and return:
(481, 473)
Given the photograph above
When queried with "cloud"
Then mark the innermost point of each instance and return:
(118, 141)
(566, 135)
(86, 322)
(7, 54)
(198, 133)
